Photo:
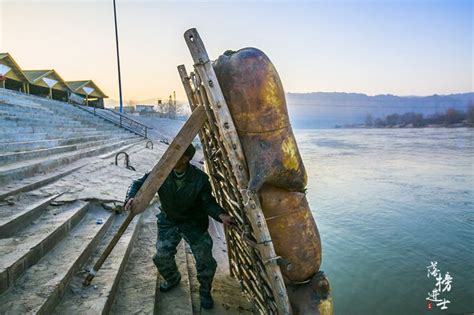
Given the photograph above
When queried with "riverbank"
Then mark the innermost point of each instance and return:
(409, 126)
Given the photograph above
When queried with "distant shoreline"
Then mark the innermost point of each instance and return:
(406, 127)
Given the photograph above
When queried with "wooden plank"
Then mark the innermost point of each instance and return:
(169, 159)
(233, 147)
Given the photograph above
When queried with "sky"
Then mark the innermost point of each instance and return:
(371, 47)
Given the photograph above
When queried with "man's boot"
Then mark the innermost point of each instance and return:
(206, 299)
(170, 283)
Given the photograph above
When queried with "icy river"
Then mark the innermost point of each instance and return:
(388, 203)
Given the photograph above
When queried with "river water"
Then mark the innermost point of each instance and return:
(387, 203)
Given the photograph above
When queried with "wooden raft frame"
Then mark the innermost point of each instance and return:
(252, 257)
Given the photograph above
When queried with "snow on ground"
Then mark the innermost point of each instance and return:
(162, 127)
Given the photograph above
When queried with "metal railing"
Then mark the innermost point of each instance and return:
(120, 120)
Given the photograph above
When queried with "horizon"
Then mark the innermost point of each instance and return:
(320, 46)
(137, 102)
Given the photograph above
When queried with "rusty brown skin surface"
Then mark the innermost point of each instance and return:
(256, 99)
(293, 230)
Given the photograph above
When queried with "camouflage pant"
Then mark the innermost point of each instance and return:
(169, 236)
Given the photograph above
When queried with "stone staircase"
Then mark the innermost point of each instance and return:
(60, 192)
(38, 135)
(50, 150)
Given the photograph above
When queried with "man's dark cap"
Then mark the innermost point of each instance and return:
(190, 151)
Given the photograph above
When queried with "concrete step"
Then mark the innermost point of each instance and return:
(137, 287)
(57, 130)
(179, 300)
(35, 119)
(38, 126)
(72, 113)
(45, 116)
(41, 287)
(67, 118)
(59, 108)
(31, 167)
(28, 184)
(21, 210)
(10, 136)
(7, 111)
(46, 144)
(31, 242)
(99, 296)
(18, 102)
(14, 157)
(17, 111)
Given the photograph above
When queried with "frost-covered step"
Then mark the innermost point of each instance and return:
(8, 137)
(41, 287)
(8, 112)
(8, 126)
(44, 144)
(8, 123)
(52, 128)
(7, 132)
(35, 118)
(27, 104)
(178, 301)
(99, 296)
(22, 134)
(136, 290)
(22, 106)
(14, 157)
(31, 242)
(31, 167)
(31, 183)
(42, 117)
(21, 210)
(68, 110)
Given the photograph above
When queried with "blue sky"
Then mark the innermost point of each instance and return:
(372, 47)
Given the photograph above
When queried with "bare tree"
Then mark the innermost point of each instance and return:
(470, 113)
(369, 121)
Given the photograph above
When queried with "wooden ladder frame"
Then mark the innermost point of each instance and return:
(258, 271)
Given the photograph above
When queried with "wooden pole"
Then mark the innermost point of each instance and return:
(169, 159)
(156, 178)
(236, 156)
(109, 249)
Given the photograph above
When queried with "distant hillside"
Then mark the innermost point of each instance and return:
(322, 110)
(325, 110)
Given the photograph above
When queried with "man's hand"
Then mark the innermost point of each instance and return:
(128, 205)
(227, 220)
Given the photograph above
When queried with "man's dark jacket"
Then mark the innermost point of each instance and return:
(191, 204)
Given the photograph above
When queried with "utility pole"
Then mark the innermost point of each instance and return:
(118, 58)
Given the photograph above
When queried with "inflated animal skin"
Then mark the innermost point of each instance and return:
(256, 99)
(293, 231)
